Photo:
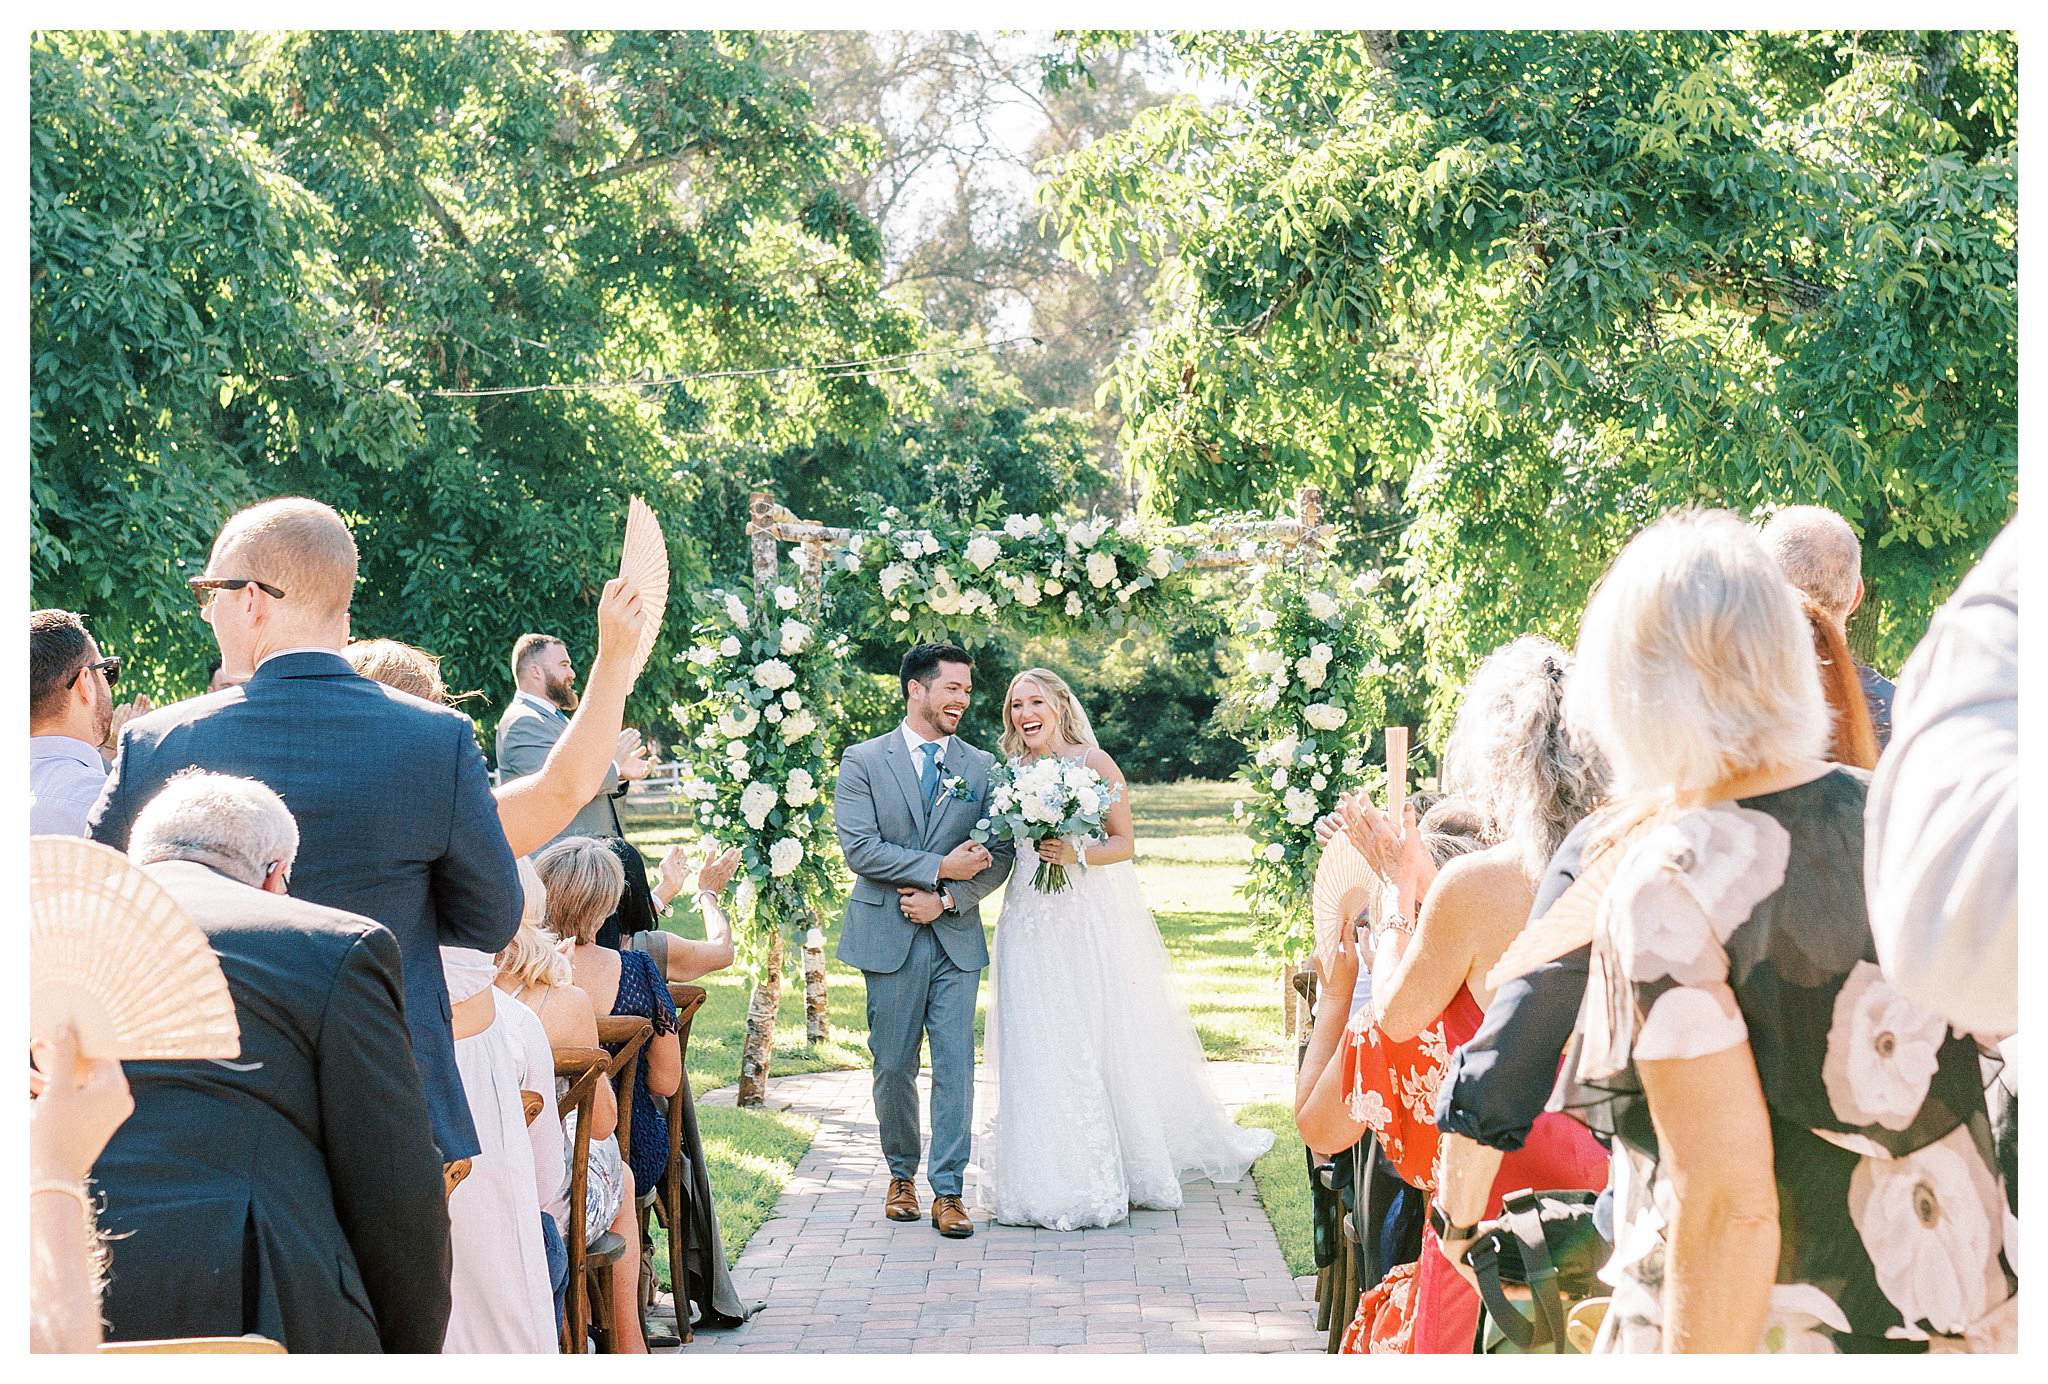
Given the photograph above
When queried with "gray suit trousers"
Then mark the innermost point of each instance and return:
(926, 996)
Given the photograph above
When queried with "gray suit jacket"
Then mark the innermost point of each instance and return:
(525, 735)
(890, 840)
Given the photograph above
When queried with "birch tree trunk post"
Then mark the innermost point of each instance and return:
(1308, 510)
(817, 1021)
(767, 996)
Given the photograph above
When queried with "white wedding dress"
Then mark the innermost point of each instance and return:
(1101, 1094)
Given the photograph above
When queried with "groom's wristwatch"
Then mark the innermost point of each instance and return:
(946, 901)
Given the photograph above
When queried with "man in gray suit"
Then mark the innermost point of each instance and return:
(539, 713)
(905, 804)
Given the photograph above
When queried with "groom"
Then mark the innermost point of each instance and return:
(905, 803)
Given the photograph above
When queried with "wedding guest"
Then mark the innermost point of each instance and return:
(501, 1290)
(682, 959)
(294, 1192)
(392, 794)
(533, 809)
(1852, 737)
(584, 880)
(1510, 756)
(70, 708)
(79, 1103)
(1819, 554)
(1803, 1157)
(538, 717)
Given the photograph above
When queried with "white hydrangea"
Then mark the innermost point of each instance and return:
(1101, 569)
(1265, 618)
(773, 714)
(1323, 606)
(1264, 662)
(983, 552)
(912, 550)
(773, 675)
(1023, 525)
(893, 576)
(1028, 592)
(1159, 563)
(738, 725)
(729, 646)
(785, 855)
(756, 802)
(1281, 751)
(704, 657)
(797, 725)
(791, 699)
(1325, 716)
(1310, 672)
(1073, 603)
(786, 597)
(1353, 765)
(1300, 806)
(944, 597)
(736, 610)
(801, 790)
(795, 635)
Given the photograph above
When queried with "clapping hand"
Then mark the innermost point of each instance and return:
(965, 861)
(620, 618)
(712, 876)
(631, 756)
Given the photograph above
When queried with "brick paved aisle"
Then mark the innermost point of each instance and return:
(837, 1276)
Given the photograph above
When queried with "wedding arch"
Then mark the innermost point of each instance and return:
(768, 663)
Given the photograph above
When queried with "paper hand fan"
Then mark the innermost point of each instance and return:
(1344, 887)
(112, 954)
(644, 565)
(1397, 776)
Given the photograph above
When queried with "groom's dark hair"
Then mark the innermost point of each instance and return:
(921, 664)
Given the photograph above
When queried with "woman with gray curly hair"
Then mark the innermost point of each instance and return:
(1512, 760)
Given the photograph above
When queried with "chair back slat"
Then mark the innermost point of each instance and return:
(582, 1068)
(633, 1033)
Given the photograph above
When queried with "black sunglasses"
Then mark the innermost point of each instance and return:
(205, 587)
(110, 666)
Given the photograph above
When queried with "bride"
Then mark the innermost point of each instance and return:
(1102, 1101)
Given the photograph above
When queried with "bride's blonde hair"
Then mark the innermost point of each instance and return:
(1070, 722)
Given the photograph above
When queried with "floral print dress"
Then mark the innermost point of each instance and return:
(1745, 922)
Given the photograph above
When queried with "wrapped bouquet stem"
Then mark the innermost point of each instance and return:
(1046, 800)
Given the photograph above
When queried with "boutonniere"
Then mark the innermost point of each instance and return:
(955, 787)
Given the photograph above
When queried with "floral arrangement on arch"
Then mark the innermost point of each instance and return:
(1309, 703)
(764, 784)
(971, 578)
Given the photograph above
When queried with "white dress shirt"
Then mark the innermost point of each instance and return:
(65, 776)
(300, 649)
(916, 743)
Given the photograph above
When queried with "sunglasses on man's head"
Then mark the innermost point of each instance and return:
(110, 666)
(205, 588)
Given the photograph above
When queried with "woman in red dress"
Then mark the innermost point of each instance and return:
(1510, 758)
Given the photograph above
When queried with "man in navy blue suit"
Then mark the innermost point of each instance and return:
(394, 806)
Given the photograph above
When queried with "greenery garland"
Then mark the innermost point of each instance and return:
(1311, 699)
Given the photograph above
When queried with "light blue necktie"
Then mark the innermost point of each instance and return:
(929, 776)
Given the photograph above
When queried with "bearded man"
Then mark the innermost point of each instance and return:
(539, 713)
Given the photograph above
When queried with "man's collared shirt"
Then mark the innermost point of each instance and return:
(916, 743)
(300, 649)
(542, 705)
(65, 776)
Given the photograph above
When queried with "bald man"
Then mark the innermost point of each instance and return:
(1819, 554)
(393, 802)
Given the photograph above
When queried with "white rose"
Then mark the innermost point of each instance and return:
(912, 550)
(893, 576)
(1053, 588)
(1275, 852)
(1087, 801)
(1300, 806)
(785, 855)
(773, 713)
(851, 562)
(774, 675)
(1321, 653)
(797, 725)
(756, 802)
(1028, 592)
(1279, 779)
(703, 657)
(983, 552)
(1310, 672)
(801, 790)
(930, 545)
(1160, 562)
(734, 725)
(729, 646)
(786, 597)
(736, 610)
(1079, 536)
(1014, 526)
(1265, 618)
(1324, 716)
(1130, 527)
(900, 616)
(1073, 604)
(1263, 662)
(1101, 569)
(1319, 783)
(1323, 606)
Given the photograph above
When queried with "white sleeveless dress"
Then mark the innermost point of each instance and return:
(1101, 1093)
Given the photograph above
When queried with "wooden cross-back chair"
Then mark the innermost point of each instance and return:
(196, 1345)
(669, 1199)
(632, 1034)
(582, 1068)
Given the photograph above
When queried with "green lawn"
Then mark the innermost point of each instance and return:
(1191, 860)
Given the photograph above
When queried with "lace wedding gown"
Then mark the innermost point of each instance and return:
(1101, 1094)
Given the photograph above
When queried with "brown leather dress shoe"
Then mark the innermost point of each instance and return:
(902, 1201)
(951, 1218)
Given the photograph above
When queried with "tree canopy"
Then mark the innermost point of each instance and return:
(1513, 294)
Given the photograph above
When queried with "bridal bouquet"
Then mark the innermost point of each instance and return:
(1042, 801)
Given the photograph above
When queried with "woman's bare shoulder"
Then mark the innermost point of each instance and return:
(1098, 759)
(1486, 888)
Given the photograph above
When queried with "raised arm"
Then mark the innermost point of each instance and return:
(579, 766)
(860, 837)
